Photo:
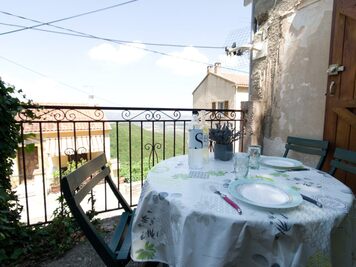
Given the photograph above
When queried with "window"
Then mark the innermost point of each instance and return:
(220, 105)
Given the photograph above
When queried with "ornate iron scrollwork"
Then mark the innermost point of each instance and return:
(63, 113)
(151, 115)
(153, 153)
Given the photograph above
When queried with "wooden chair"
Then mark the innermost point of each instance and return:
(308, 146)
(75, 187)
(344, 160)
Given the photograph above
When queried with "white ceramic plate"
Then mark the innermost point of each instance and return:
(282, 163)
(264, 194)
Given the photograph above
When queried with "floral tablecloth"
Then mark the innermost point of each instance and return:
(181, 222)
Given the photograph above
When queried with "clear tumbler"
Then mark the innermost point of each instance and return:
(254, 153)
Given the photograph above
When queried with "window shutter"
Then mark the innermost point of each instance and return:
(213, 105)
(226, 106)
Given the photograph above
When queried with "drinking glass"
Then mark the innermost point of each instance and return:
(254, 153)
(241, 165)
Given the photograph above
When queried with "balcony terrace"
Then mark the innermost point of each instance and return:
(133, 139)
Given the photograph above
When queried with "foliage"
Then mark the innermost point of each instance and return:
(135, 169)
(11, 235)
(124, 142)
(139, 141)
(21, 245)
(224, 134)
(52, 240)
(71, 166)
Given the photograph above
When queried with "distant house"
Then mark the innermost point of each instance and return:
(58, 137)
(221, 90)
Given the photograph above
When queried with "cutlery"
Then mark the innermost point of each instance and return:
(311, 200)
(293, 170)
(228, 200)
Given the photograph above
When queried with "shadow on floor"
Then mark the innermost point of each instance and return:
(83, 254)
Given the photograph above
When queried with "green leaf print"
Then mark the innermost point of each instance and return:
(295, 187)
(216, 173)
(268, 179)
(318, 260)
(279, 174)
(146, 253)
(181, 176)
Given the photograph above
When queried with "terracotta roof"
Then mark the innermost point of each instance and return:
(237, 78)
(67, 118)
(64, 127)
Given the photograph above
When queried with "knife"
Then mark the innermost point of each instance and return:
(227, 199)
(311, 200)
(294, 169)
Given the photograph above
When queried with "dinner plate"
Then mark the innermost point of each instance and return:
(264, 194)
(281, 163)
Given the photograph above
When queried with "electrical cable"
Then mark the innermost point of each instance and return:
(67, 18)
(59, 82)
(122, 43)
(115, 40)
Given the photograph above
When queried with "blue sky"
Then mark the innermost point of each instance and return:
(67, 69)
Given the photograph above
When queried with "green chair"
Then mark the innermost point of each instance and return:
(75, 188)
(308, 146)
(344, 160)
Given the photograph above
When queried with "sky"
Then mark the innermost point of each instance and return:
(64, 68)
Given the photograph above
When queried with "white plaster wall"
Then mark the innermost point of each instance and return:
(298, 102)
(215, 89)
(241, 96)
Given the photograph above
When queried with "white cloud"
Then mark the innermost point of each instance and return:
(122, 54)
(177, 62)
(46, 90)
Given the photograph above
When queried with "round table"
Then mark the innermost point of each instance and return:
(181, 222)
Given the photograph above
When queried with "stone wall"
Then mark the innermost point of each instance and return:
(289, 72)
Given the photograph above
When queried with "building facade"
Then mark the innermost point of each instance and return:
(220, 90)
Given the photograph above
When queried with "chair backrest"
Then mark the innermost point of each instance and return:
(75, 187)
(344, 160)
(308, 146)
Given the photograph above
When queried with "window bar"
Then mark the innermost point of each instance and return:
(153, 144)
(141, 135)
(105, 183)
(90, 157)
(164, 140)
(242, 126)
(117, 159)
(89, 132)
(184, 137)
(174, 138)
(59, 162)
(43, 173)
(130, 162)
(24, 172)
(75, 145)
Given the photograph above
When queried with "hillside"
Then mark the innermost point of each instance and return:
(142, 141)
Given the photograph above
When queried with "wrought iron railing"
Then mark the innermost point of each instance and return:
(134, 140)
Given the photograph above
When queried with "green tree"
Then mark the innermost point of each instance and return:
(20, 244)
(10, 227)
